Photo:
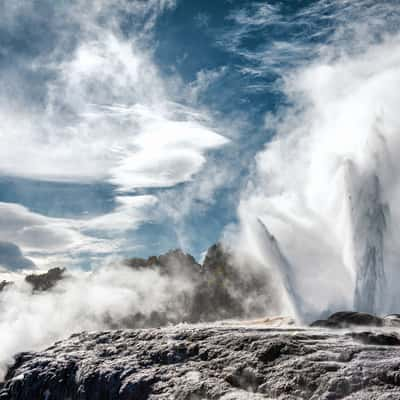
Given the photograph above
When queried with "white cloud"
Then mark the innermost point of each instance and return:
(105, 114)
(129, 213)
(108, 117)
(168, 153)
(205, 78)
(297, 35)
(12, 258)
(50, 241)
(34, 232)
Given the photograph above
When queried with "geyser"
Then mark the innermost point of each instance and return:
(327, 187)
(368, 221)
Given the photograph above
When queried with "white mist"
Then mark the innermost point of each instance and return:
(327, 187)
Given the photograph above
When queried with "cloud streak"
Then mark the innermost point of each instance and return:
(284, 37)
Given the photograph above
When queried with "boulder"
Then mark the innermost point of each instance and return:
(347, 319)
(377, 338)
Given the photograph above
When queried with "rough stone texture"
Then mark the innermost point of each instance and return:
(190, 362)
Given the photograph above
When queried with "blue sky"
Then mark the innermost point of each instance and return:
(130, 127)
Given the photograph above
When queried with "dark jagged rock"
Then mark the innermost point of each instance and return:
(378, 338)
(346, 319)
(4, 284)
(220, 288)
(214, 362)
(46, 281)
(228, 290)
(40, 282)
(213, 298)
(349, 319)
(168, 263)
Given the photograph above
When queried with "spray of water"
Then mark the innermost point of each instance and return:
(326, 189)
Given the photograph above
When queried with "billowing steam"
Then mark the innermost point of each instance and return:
(106, 298)
(326, 189)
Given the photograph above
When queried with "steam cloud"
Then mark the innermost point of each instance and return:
(86, 301)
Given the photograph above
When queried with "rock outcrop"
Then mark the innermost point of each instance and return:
(170, 262)
(189, 362)
(4, 284)
(230, 289)
(46, 281)
(221, 289)
(349, 319)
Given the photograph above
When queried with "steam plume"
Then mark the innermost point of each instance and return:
(327, 186)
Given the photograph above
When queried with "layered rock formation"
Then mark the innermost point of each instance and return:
(211, 362)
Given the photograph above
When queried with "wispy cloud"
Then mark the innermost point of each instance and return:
(106, 108)
(273, 38)
(49, 240)
(90, 105)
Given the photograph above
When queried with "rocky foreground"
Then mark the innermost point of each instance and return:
(346, 356)
(213, 362)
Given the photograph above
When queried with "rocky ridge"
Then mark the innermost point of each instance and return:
(221, 288)
(216, 289)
